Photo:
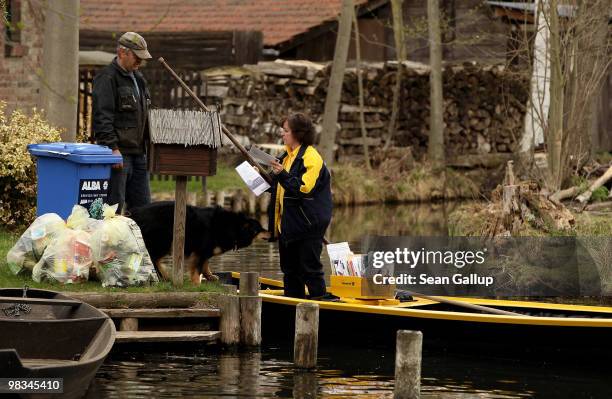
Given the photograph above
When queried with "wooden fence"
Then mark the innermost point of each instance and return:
(187, 52)
(165, 93)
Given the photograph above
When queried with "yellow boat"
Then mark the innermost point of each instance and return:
(559, 329)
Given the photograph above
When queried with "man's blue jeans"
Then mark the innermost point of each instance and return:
(129, 186)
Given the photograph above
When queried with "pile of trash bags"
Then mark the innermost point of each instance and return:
(111, 248)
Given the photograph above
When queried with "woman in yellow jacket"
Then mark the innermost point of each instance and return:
(300, 209)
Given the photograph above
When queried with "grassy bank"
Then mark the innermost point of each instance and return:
(8, 279)
(537, 263)
(353, 185)
(470, 220)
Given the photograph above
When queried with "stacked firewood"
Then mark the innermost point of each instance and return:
(484, 105)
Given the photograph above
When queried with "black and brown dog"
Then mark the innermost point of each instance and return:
(208, 232)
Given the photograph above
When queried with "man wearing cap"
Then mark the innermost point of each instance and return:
(120, 107)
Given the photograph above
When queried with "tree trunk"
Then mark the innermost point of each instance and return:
(364, 132)
(334, 90)
(536, 117)
(60, 72)
(436, 125)
(589, 59)
(557, 84)
(400, 50)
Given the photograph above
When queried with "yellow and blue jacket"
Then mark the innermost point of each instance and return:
(301, 203)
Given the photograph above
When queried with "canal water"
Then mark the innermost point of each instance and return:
(343, 371)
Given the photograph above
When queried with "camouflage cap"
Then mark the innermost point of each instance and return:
(136, 43)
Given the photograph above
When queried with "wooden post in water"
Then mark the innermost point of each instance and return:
(237, 201)
(306, 335)
(408, 365)
(250, 309)
(252, 199)
(264, 202)
(178, 241)
(229, 324)
(249, 284)
(220, 198)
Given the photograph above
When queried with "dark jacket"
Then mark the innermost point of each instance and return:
(305, 215)
(119, 114)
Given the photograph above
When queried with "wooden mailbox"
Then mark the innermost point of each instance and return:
(182, 143)
(178, 160)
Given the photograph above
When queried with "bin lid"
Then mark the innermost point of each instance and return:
(75, 152)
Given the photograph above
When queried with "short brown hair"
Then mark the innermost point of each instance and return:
(301, 127)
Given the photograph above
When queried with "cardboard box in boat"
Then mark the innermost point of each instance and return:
(352, 276)
(360, 288)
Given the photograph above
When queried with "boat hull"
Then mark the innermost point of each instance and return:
(541, 330)
(54, 341)
(504, 340)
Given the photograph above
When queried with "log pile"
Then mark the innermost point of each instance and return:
(484, 105)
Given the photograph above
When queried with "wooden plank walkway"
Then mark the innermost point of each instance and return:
(161, 313)
(167, 336)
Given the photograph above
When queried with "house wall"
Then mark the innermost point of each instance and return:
(373, 35)
(473, 35)
(20, 61)
(186, 50)
(602, 123)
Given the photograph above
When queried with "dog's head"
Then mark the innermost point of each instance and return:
(236, 230)
(251, 230)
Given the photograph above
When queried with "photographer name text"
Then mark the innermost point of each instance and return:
(424, 279)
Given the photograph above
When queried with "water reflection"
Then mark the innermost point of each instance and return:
(348, 224)
(342, 373)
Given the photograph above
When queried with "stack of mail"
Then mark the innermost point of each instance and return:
(343, 261)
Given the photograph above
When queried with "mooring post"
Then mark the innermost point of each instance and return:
(229, 324)
(220, 198)
(250, 309)
(252, 199)
(178, 241)
(306, 335)
(264, 201)
(408, 349)
(249, 284)
(237, 201)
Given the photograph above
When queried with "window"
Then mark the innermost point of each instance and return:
(13, 25)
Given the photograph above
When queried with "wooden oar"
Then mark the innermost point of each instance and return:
(462, 304)
(229, 135)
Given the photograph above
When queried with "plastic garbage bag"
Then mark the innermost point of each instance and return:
(79, 219)
(120, 256)
(32, 244)
(66, 259)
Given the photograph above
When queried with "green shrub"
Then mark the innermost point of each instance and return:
(17, 169)
(600, 194)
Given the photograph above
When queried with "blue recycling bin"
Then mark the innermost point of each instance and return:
(71, 173)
